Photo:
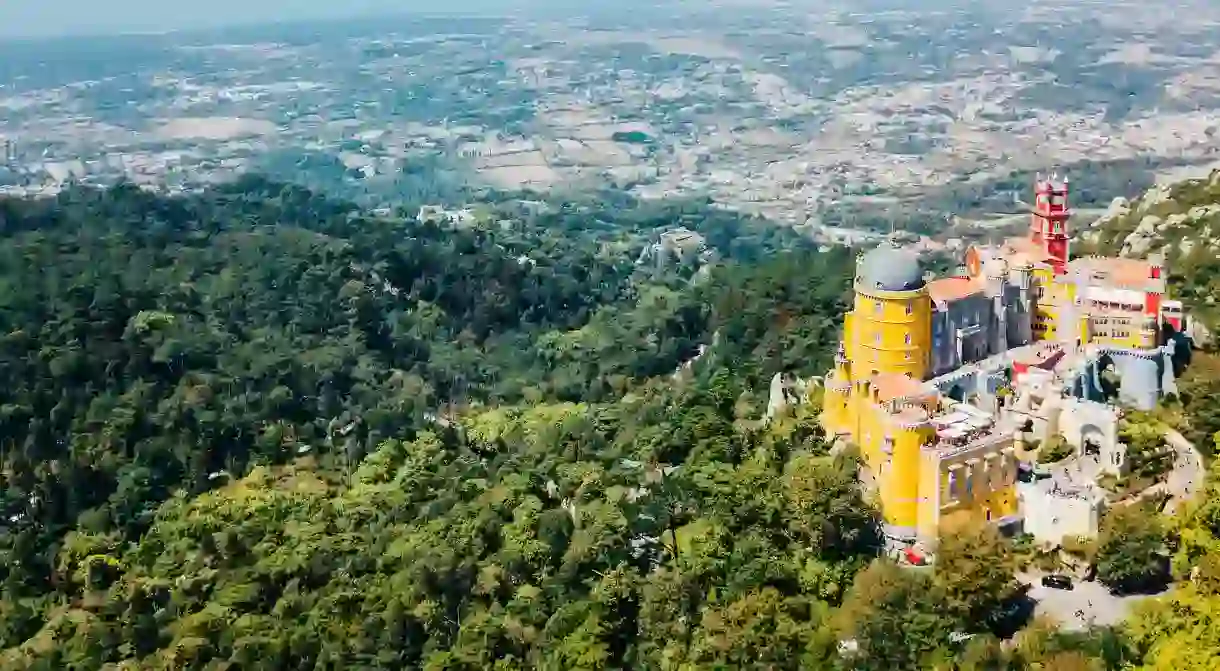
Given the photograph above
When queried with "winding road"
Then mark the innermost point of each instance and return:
(1188, 471)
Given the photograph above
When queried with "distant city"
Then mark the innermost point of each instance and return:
(845, 123)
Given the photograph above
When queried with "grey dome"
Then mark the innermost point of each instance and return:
(890, 269)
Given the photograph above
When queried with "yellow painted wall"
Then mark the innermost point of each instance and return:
(932, 481)
(1048, 295)
(869, 430)
(994, 490)
(834, 409)
(999, 504)
(900, 491)
(1135, 336)
(1045, 322)
(890, 332)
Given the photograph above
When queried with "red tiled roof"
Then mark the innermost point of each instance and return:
(949, 289)
(1121, 272)
(890, 386)
(1024, 247)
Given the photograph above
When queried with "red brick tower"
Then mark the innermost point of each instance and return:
(1048, 227)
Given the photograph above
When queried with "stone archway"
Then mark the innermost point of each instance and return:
(1092, 440)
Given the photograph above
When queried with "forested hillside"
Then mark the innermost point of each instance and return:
(254, 428)
(154, 345)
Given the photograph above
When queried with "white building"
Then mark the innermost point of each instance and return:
(1053, 510)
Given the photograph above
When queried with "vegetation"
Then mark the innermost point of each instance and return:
(1054, 449)
(1148, 457)
(631, 137)
(1180, 631)
(1197, 412)
(256, 428)
(1131, 550)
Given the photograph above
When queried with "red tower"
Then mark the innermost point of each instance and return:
(1048, 227)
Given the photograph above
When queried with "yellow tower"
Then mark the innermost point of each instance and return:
(907, 432)
(876, 397)
(889, 329)
(887, 332)
(871, 395)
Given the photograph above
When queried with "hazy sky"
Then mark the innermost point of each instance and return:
(58, 17)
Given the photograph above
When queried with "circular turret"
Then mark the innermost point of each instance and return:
(995, 268)
(888, 268)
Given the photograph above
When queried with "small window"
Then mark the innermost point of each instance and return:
(877, 307)
(877, 337)
(908, 338)
(910, 307)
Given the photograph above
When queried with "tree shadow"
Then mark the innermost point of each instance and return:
(1017, 613)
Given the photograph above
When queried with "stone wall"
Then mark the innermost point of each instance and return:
(1049, 513)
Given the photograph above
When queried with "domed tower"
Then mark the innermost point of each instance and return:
(890, 327)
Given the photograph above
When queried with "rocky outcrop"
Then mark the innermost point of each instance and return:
(1142, 238)
(786, 392)
(1199, 333)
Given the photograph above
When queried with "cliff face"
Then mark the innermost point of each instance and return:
(1181, 222)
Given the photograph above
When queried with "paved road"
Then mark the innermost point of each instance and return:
(1188, 471)
(1086, 603)
(1183, 480)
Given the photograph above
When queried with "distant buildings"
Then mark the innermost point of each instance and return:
(679, 245)
(941, 381)
(437, 214)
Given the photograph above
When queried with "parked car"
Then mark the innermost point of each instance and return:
(1056, 581)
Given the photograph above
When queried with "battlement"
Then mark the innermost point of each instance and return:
(1051, 185)
(984, 443)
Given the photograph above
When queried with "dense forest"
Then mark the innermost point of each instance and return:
(255, 428)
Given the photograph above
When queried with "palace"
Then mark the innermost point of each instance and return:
(934, 378)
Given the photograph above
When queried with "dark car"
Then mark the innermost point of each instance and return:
(1056, 581)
